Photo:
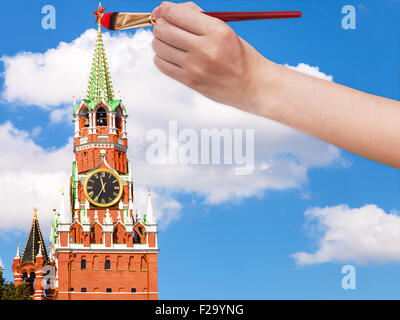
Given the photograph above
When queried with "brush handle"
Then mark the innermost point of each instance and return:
(256, 15)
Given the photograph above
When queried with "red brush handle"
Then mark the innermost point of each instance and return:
(257, 15)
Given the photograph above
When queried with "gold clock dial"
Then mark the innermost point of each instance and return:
(103, 188)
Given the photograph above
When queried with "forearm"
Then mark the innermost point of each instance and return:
(206, 55)
(358, 122)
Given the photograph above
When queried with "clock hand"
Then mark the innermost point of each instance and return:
(102, 189)
(102, 183)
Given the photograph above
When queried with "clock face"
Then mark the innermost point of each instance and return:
(103, 188)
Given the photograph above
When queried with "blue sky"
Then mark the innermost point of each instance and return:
(242, 249)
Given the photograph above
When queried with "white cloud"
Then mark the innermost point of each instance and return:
(30, 176)
(61, 115)
(1, 264)
(36, 131)
(359, 235)
(283, 156)
(310, 70)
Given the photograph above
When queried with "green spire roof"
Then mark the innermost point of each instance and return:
(100, 86)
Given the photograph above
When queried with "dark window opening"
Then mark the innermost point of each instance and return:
(108, 290)
(137, 238)
(133, 290)
(118, 119)
(92, 233)
(71, 289)
(108, 265)
(83, 264)
(85, 115)
(83, 290)
(101, 117)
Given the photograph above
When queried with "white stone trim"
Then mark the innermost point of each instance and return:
(108, 145)
(106, 249)
(104, 292)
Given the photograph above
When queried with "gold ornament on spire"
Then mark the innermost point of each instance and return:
(35, 210)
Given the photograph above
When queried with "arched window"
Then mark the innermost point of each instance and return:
(84, 118)
(107, 265)
(83, 264)
(131, 266)
(118, 119)
(95, 263)
(119, 234)
(101, 117)
(119, 263)
(76, 233)
(96, 234)
(143, 264)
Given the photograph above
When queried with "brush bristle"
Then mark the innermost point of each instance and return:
(107, 20)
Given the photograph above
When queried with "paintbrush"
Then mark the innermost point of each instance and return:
(130, 20)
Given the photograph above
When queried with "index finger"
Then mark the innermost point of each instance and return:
(185, 17)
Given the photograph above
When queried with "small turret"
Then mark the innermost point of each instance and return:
(18, 255)
(65, 217)
(150, 218)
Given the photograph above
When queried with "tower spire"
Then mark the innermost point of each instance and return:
(100, 85)
(34, 244)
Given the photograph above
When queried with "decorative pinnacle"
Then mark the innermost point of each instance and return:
(35, 210)
(18, 255)
(40, 254)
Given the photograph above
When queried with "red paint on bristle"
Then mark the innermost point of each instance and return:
(105, 20)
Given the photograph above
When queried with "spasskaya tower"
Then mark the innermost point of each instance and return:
(101, 245)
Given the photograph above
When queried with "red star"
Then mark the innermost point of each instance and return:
(99, 13)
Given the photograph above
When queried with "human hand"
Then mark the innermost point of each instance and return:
(205, 54)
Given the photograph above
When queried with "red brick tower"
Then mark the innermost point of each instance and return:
(101, 248)
(31, 267)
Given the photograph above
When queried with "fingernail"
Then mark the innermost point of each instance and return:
(156, 12)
